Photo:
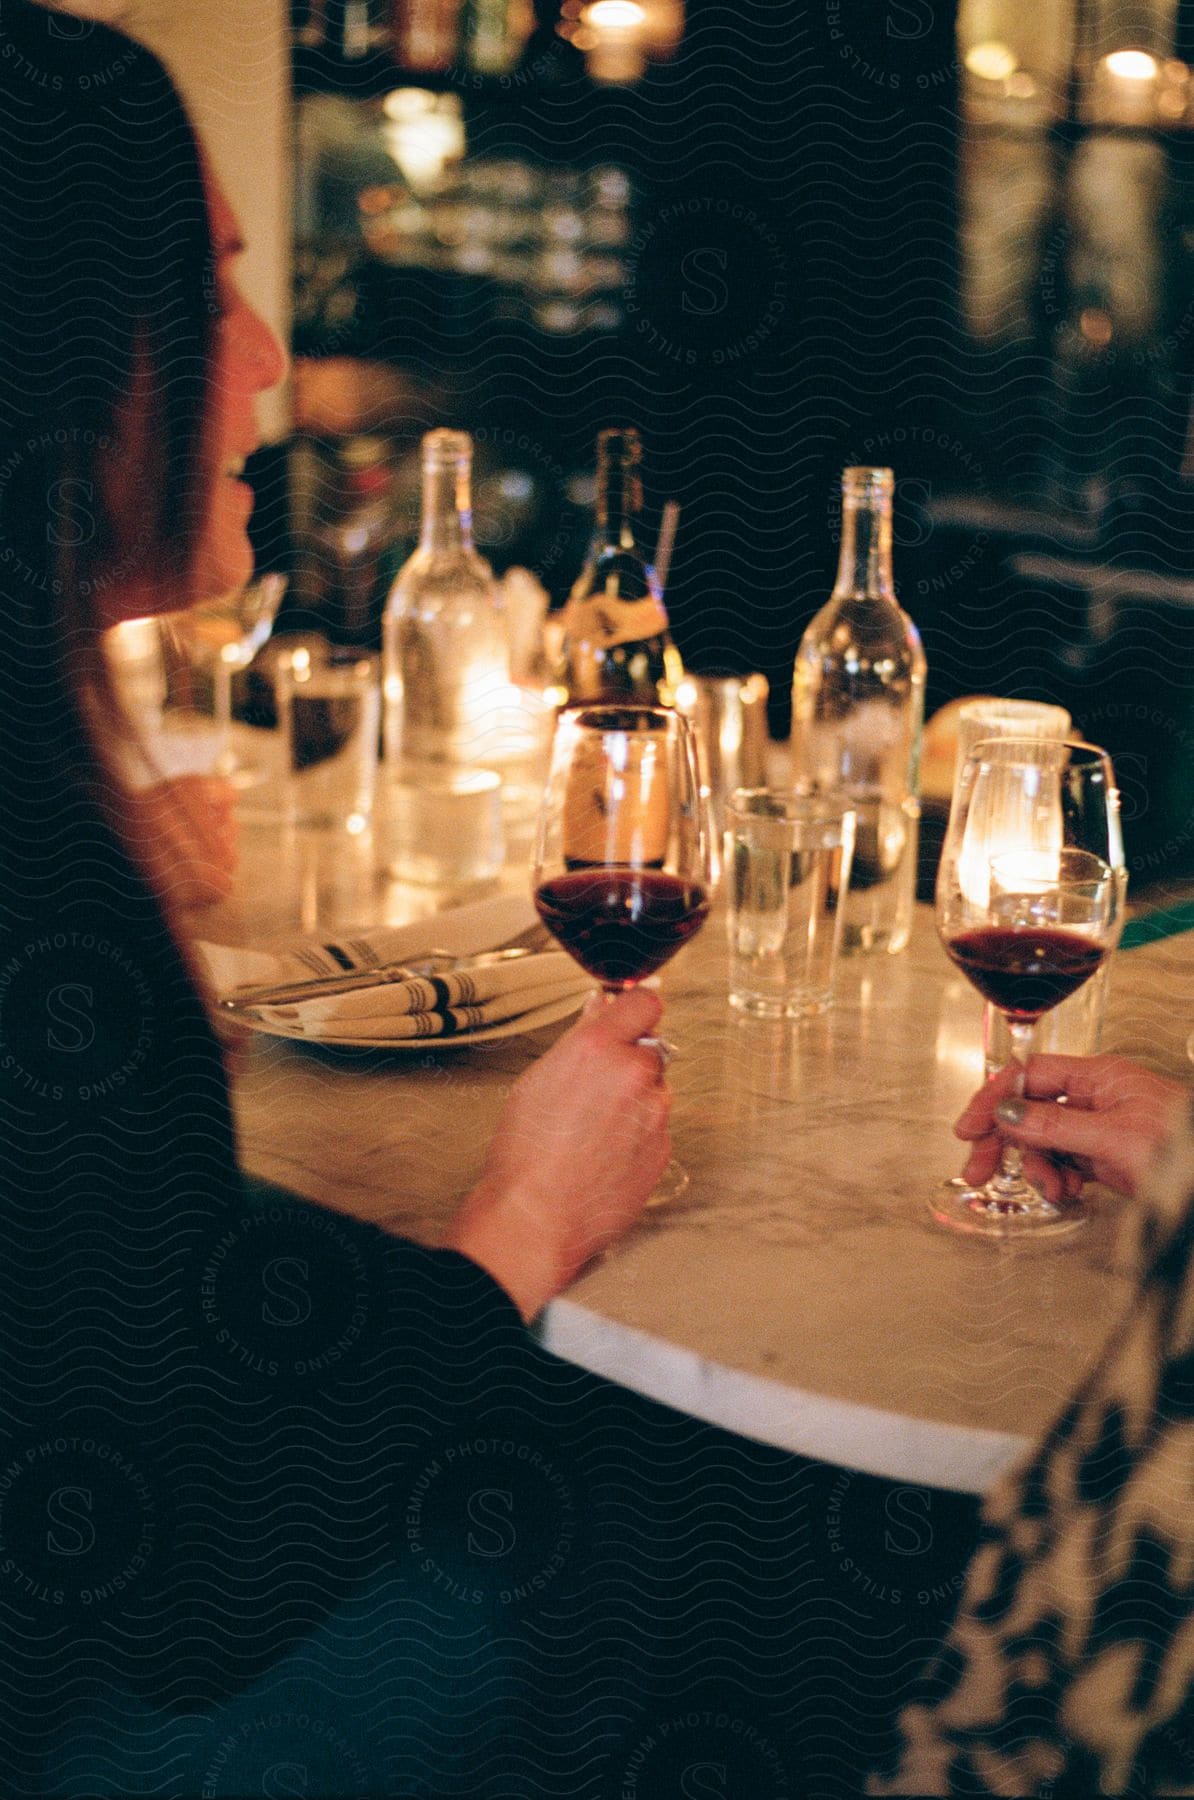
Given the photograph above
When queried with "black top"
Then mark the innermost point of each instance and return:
(215, 1402)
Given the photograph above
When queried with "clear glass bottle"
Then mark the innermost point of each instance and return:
(617, 645)
(447, 663)
(858, 712)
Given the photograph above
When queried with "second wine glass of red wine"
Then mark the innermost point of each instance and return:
(623, 870)
(1030, 897)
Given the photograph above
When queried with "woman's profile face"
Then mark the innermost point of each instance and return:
(246, 360)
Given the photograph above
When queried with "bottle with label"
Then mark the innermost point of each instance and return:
(447, 662)
(858, 712)
(426, 34)
(496, 34)
(347, 28)
(351, 551)
(617, 646)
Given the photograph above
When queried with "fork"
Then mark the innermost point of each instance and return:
(432, 962)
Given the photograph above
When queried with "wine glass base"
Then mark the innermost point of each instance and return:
(671, 1184)
(981, 1212)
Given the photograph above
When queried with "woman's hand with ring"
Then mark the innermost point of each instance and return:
(1115, 1117)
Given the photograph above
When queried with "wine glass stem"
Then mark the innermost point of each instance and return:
(223, 710)
(1022, 1032)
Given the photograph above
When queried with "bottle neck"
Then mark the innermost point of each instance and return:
(618, 500)
(447, 507)
(864, 564)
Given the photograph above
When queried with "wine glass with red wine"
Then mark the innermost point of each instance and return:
(1030, 898)
(623, 873)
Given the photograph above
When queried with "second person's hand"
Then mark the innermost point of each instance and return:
(1114, 1119)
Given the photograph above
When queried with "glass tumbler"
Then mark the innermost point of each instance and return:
(787, 871)
(329, 709)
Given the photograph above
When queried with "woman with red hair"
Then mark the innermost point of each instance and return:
(188, 1491)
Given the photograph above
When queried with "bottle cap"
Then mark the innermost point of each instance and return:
(862, 482)
(620, 444)
(442, 448)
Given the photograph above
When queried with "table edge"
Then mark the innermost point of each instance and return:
(891, 1446)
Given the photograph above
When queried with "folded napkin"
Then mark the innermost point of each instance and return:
(436, 1006)
(447, 1005)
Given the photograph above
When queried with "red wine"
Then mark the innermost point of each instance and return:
(622, 924)
(1025, 973)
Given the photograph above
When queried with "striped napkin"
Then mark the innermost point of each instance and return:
(527, 988)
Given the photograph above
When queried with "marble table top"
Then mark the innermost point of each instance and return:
(800, 1292)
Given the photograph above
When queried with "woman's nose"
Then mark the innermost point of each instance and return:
(258, 348)
(265, 351)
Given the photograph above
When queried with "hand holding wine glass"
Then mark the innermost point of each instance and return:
(622, 873)
(1115, 1118)
(580, 1144)
(1029, 904)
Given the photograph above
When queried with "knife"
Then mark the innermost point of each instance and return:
(317, 987)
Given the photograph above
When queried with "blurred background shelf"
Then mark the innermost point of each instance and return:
(963, 246)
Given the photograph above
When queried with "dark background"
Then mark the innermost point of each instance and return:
(792, 305)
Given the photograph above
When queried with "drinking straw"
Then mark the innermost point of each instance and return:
(667, 539)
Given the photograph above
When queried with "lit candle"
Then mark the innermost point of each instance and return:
(482, 706)
(1026, 836)
(1124, 91)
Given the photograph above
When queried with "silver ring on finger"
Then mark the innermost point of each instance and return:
(663, 1049)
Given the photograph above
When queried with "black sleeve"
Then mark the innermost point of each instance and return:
(215, 1401)
(335, 1363)
(248, 1454)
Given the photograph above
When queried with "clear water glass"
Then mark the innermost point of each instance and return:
(329, 709)
(787, 872)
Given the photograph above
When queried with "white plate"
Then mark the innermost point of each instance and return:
(528, 1021)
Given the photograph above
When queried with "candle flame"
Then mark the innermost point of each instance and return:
(991, 61)
(1131, 65)
(614, 15)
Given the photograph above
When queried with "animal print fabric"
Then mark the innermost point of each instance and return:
(1069, 1671)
